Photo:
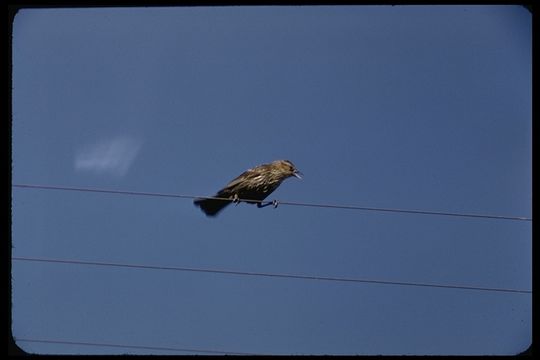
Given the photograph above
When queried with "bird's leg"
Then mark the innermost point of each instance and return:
(260, 204)
(236, 199)
(274, 203)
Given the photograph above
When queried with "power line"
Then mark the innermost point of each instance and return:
(140, 347)
(265, 274)
(291, 203)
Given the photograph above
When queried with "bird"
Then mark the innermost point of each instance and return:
(254, 185)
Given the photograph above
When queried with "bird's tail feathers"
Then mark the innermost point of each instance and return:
(211, 207)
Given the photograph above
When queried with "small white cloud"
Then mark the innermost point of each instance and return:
(112, 157)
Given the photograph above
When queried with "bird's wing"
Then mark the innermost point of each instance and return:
(248, 174)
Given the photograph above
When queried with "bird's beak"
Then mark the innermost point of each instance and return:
(297, 174)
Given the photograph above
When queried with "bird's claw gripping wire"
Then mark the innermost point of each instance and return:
(236, 199)
(275, 203)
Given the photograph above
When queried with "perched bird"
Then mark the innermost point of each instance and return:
(253, 184)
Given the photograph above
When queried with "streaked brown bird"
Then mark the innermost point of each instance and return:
(253, 184)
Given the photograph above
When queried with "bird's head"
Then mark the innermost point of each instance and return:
(288, 168)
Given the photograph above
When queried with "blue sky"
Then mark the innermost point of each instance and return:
(416, 107)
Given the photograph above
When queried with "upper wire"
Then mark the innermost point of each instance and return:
(291, 203)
